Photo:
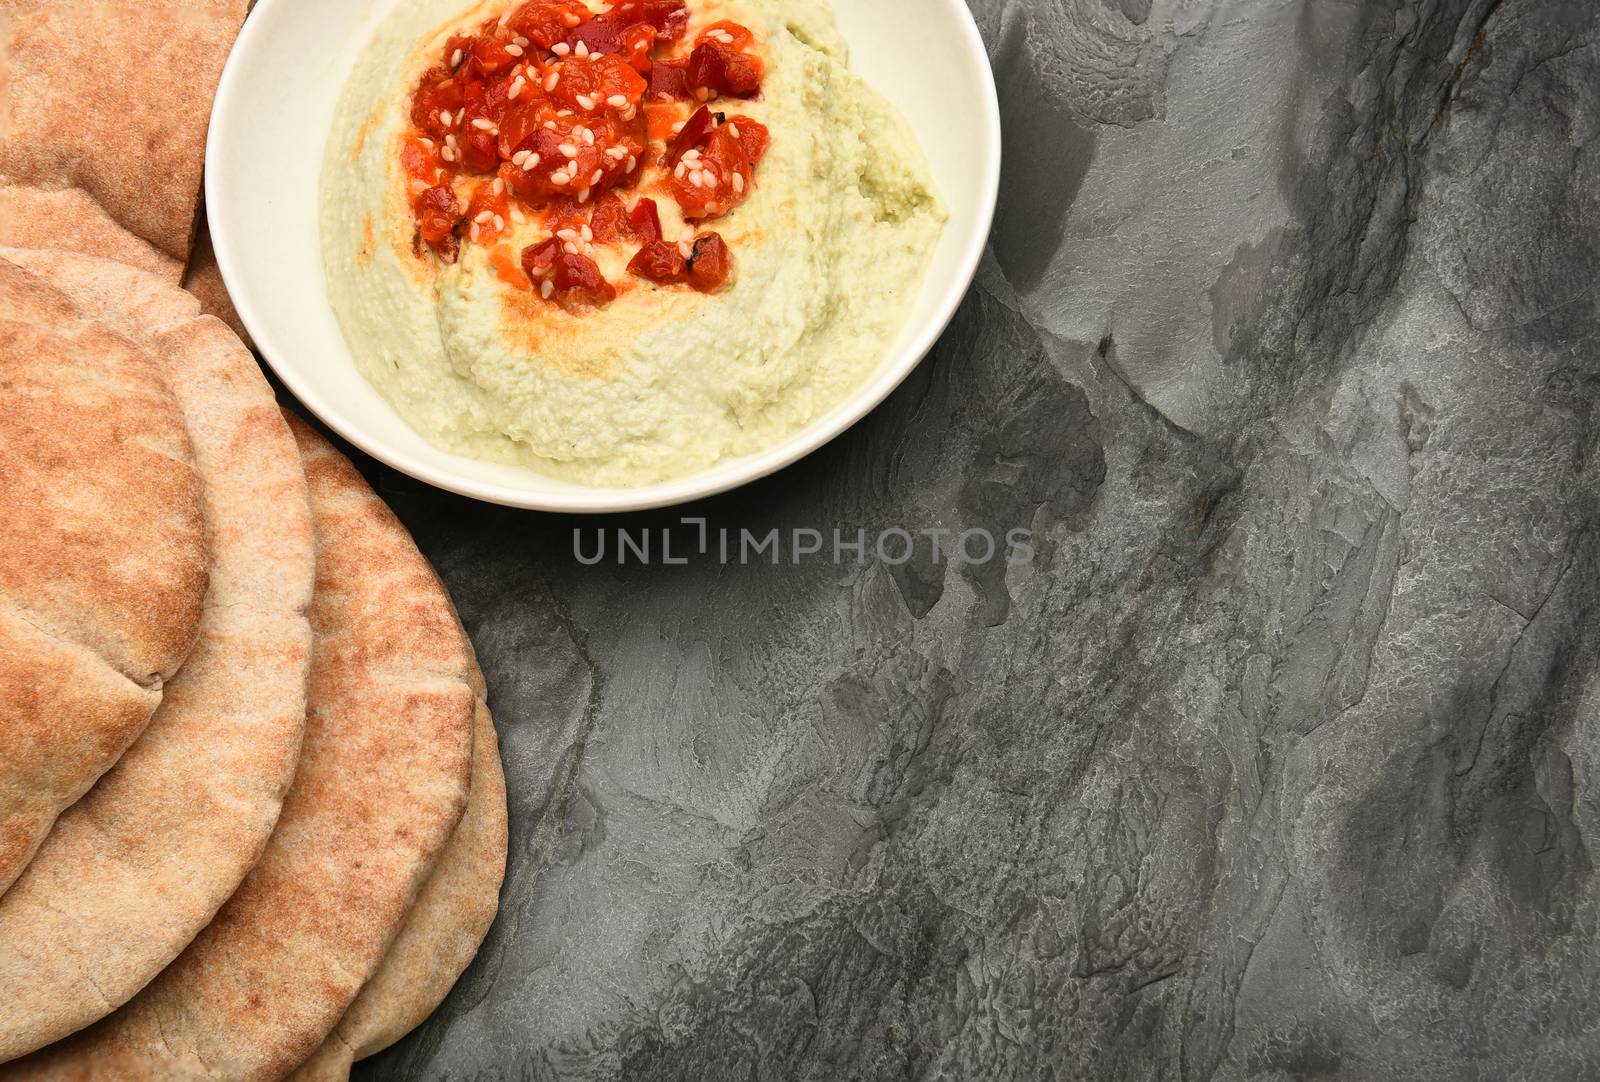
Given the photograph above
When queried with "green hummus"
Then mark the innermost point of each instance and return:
(830, 252)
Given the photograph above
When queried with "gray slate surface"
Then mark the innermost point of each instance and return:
(1273, 763)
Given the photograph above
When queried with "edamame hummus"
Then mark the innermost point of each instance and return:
(619, 243)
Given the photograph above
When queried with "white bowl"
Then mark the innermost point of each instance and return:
(275, 107)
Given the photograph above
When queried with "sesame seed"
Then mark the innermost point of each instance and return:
(561, 178)
(447, 154)
(455, 59)
(564, 112)
(733, 130)
(587, 234)
(549, 125)
(484, 217)
(532, 163)
(568, 149)
(738, 183)
(697, 178)
(691, 155)
(514, 49)
(616, 154)
(444, 117)
(499, 186)
(551, 80)
(685, 249)
(633, 163)
(583, 196)
(588, 137)
(582, 49)
(427, 143)
(561, 48)
(484, 125)
(599, 175)
(499, 224)
(585, 102)
(516, 90)
(567, 234)
(546, 288)
(519, 157)
(570, 248)
(617, 101)
(522, 41)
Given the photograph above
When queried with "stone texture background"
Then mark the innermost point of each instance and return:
(1279, 760)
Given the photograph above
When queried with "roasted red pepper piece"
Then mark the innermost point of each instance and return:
(711, 265)
(714, 66)
(579, 281)
(611, 34)
(752, 135)
(596, 83)
(728, 34)
(669, 80)
(609, 223)
(571, 280)
(438, 214)
(695, 133)
(670, 18)
(709, 183)
(439, 92)
(479, 152)
(546, 22)
(645, 220)
(660, 262)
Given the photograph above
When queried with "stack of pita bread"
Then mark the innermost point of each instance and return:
(252, 814)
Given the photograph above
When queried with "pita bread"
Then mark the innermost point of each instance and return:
(443, 933)
(103, 554)
(112, 97)
(203, 278)
(381, 786)
(136, 868)
(70, 221)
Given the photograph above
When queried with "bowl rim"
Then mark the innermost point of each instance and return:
(583, 500)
